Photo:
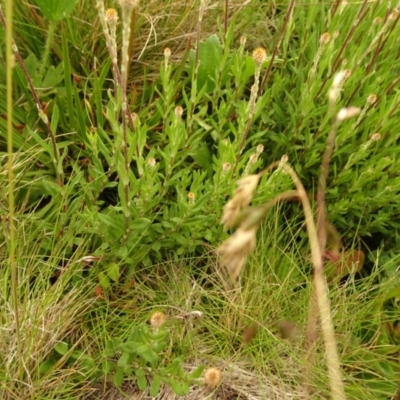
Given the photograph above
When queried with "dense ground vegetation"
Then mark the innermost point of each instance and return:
(116, 213)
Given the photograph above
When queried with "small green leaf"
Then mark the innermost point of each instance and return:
(54, 119)
(87, 363)
(141, 379)
(140, 253)
(113, 271)
(118, 377)
(46, 366)
(180, 388)
(104, 281)
(109, 349)
(155, 386)
(61, 348)
(147, 354)
(124, 360)
(53, 76)
(140, 224)
(393, 293)
(197, 372)
(106, 366)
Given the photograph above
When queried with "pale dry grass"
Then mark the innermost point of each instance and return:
(239, 382)
(47, 317)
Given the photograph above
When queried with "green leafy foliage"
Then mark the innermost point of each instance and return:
(56, 10)
(181, 161)
(142, 356)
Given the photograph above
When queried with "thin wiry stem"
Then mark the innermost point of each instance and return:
(321, 207)
(126, 34)
(39, 107)
(226, 17)
(10, 105)
(360, 16)
(196, 57)
(275, 52)
(321, 289)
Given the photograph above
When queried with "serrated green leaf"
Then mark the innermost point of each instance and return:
(210, 53)
(53, 76)
(56, 10)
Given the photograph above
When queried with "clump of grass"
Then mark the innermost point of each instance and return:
(125, 194)
(242, 243)
(50, 315)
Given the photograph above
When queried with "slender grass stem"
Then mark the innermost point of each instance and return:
(278, 44)
(11, 204)
(321, 289)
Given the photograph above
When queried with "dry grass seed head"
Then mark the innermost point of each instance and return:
(235, 249)
(242, 198)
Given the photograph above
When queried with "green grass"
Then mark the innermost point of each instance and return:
(87, 274)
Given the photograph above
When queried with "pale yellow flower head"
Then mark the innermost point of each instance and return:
(157, 319)
(212, 377)
(111, 16)
(259, 55)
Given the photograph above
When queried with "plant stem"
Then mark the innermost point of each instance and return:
(47, 47)
(226, 17)
(126, 34)
(321, 208)
(275, 52)
(111, 46)
(39, 107)
(321, 289)
(11, 205)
